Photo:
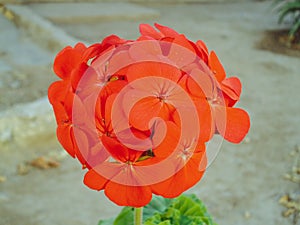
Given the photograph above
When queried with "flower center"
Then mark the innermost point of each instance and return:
(187, 151)
(163, 97)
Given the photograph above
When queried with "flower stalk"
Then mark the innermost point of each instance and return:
(138, 216)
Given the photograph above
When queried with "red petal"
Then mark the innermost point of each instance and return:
(205, 114)
(75, 109)
(112, 40)
(118, 62)
(200, 84)
(112, 87)
(165, 138)
(145, 51)
(181, 52)
(60, 114)
(80, 47)
(57, 91)
(92, 51)
(106, 100)
(114, 116)
(232, 87)
(201, 53)
(84, 81)
(65, 61)
(143, 111)
(145, 38)
(56, 94)
(120, 152)
(216, 66)
(147, 30)
(152, 69)
(236, 126)
(96, 155)
(182, 180)
(123, 195)
(64, 136)
(135, 139)
(81, 145)
(94, 180)
(166, 31)
(202, 46)
(77, 74)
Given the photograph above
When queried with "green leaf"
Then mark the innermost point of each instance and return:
(184, 210)
(106, 222)
(287, 9)
(291, 7)
(158, 204)
(125, 216)
(294, 29)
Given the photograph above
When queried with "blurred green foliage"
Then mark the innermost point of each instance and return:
(184, 210)
(290, 10)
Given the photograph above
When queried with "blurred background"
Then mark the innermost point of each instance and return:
(255, 182)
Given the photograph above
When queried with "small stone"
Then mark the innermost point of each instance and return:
(2, 179)
(288, 212)
(284, 199)
(23, 169)
(287, 176)
(247, 215)
(296, 170)
(43, 163)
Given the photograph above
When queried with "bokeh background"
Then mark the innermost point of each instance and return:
(41, 185)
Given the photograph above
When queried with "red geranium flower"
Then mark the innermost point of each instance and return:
(138, 114)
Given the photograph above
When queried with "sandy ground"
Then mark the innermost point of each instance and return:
(243, 184)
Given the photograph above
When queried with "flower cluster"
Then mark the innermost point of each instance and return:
(139, 113)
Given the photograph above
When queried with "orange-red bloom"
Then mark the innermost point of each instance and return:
(235, 122)
(138, 114)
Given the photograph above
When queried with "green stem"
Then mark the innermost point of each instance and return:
(138, 216)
